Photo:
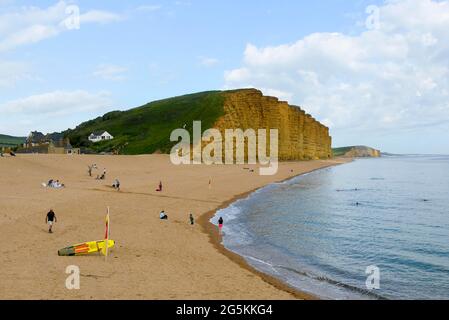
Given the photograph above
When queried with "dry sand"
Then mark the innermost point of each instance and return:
(153, 259)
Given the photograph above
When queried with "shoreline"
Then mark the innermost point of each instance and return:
(216, 239)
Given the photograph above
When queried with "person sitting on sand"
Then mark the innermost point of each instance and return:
(116, 185)
(12, 154)
(102, 177)
(57, 184)
(163, 215)
(50, 219)
(159, 189)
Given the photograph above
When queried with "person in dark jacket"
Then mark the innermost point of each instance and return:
(50, 219)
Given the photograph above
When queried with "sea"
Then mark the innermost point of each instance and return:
(375, 228)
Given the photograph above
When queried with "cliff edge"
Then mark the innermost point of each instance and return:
(356, 152)
(301, 137)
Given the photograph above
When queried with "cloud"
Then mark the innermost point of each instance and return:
(395, 76)
(29, 35)
(110, 72)
(11, 72)
(57, 103)
(208, 62)
(149, 8)
(102, 17)
(29, 24)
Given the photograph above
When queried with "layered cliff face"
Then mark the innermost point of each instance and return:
(301, 137)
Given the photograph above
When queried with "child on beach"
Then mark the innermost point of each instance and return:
(220, 225)
(50, 219)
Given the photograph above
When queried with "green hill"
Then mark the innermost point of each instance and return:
(356, 152)
(10, 141)
(147, 129)
(338, 152)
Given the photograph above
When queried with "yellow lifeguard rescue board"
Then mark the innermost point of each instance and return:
(86, 248)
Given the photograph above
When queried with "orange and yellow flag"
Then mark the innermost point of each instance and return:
(106, 235)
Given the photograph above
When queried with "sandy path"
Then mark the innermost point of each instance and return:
(153, 259)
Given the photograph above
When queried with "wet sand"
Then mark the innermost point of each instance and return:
(153, 259)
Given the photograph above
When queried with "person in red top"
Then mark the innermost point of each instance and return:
(220, 224)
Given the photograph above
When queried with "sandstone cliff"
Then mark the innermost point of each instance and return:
(301, 137)
(357, 152)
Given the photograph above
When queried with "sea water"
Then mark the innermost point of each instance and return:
(320, 232)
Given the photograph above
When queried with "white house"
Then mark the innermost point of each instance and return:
(100, 136)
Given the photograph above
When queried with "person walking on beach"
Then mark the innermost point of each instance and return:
(192, 220)
(89, 170)
(159, 189)
(50, 219)
(220, 225)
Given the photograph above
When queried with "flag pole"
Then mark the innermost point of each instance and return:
(106, 240)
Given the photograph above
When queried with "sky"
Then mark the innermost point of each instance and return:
(375, 72)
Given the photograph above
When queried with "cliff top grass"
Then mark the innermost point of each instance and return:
(338, 152)
(147, 129)
(9, 141)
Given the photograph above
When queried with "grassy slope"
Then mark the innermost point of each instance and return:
(147, 129)
(9, 141)
(338, 152)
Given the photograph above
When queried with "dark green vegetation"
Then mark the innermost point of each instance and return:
(147, 129)
(9, 141)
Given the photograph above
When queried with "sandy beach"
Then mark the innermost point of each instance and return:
(153, 259)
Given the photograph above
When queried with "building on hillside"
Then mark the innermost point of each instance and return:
(62, 147)
(100, 136)
(34, 139)
(53, 143)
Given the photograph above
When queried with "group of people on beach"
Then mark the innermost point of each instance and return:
(51, 216)
(164, 216)
(54, 184)
(91, 167)
(115, 184)
(11, 153)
